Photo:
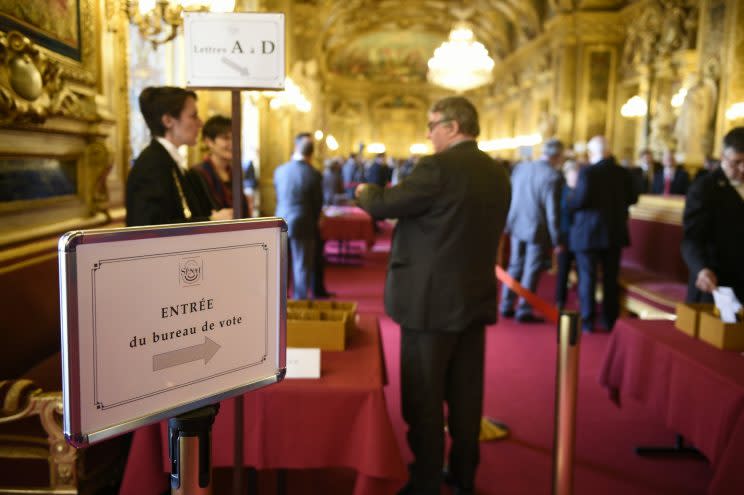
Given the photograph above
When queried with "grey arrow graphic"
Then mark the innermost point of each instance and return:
(243, 71)
(170, 359)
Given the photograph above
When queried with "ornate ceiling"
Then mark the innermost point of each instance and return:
(391, 40)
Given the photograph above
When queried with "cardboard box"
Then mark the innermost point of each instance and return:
(349, 307)
(314, 328)
(298, 304)
(688, 317)
(726, 336)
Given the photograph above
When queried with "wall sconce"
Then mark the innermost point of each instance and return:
(679, 97)
(158, 21)
(634, 107)
(735, 111)
(419, 149)
(331, 142)
(510, 143)
(291, 96)
(375, 148)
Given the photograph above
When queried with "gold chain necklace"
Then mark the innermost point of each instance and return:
(184, 204)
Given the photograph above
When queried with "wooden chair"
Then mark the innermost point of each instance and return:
(40, 439)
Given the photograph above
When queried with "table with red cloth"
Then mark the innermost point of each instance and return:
(694, 388)
(347, 223)
(339, 420)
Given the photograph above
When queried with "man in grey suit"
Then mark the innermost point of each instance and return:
(441, 289)
(299, 200)
(533, 224)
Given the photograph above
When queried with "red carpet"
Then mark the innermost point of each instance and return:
(519, 391)
(520, 377)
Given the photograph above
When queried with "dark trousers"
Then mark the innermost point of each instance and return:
(438, 367)
(565, 259)
(319, 287)
(586, 262)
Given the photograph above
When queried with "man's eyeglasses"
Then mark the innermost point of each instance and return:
(432, 125)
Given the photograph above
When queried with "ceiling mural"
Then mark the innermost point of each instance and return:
(386, 56)
(391, 40)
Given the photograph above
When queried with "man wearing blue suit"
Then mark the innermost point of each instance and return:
(533, 224)
(299, 200)
(600, 203)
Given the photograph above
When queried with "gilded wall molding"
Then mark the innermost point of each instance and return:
(586, 27)
(34, 87)
(84, 72)
(97, 163)
(656, 31)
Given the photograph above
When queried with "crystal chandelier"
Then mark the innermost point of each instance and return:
(461, 63)
(634, 107)
(158, 21)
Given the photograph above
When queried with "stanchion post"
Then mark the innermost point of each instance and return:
(190, 449)
(567, 374)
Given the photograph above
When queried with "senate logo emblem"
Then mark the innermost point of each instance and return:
(191, 271)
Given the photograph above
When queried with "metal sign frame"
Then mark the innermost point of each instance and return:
(78, 430)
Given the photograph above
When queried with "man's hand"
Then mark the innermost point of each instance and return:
(706, 280)
(223, 214)
(359, 189)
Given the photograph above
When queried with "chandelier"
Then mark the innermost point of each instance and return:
(735, 111)
(461, 63)
(634, 107)
(158, 21)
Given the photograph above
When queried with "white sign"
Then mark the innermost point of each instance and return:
(158, 321)
(236, 50)
(303, 363)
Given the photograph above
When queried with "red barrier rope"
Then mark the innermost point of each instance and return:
(548, 310)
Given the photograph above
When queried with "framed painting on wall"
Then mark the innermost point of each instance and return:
(53, 24)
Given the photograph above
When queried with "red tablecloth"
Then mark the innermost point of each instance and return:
(339, 420)
(347, 223)
(696, 389)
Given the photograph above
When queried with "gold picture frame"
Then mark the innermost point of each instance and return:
(65, 30)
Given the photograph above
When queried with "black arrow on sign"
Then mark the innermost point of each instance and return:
(170, 359)
(233, 65)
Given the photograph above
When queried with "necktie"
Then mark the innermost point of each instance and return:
(667, 185)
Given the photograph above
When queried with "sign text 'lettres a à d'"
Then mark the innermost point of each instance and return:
(234, 51)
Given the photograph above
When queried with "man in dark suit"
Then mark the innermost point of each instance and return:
(299, 200)
(377, 172)
(641, 172)
(671, 178)
(713, 240)
(600, 202)
(441, 289)
(159, 189)
(533, 225)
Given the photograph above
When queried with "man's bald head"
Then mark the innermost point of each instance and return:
(598, 149)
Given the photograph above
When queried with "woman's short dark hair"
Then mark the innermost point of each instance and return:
(156, 101)
(216, 126)
(460, 110)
